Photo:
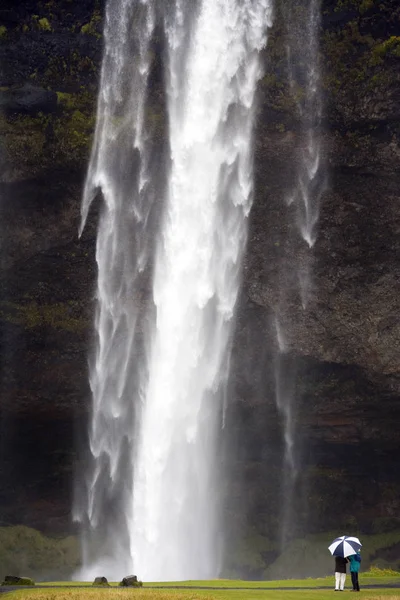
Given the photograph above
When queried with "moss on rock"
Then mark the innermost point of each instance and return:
(44, 24)
(33, 315)
(35, 143)
(93, 27)
(131, 581)
(14, 580)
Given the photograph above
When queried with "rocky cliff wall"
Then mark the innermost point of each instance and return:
(343, 352)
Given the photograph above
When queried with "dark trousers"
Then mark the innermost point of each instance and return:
(354, 581)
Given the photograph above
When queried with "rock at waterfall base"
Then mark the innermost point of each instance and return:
(101, 581)
(14, 580)
(131, 581)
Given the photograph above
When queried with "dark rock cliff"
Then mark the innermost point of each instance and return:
(343, 358)
(343, 352)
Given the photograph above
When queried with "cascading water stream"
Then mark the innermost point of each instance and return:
(152, 485)
(285, 376)
(305, 83)
(119, 167)
(303, 25)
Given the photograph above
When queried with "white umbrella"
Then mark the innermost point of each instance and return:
(345, 545)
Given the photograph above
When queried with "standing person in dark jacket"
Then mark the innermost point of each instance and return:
(340, 573)
(355, 563)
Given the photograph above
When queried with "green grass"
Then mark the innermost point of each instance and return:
(374, 578)
(111, 594)
(365, 579)
(68, 583)
(90, 593)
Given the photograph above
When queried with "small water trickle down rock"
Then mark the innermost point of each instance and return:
(303, 208)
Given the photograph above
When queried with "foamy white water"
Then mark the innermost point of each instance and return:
(152, 502)
(119, 167)
(211, 88)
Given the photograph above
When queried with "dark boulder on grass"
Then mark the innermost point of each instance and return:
(131, 581)
(101, 581)
(14, 580)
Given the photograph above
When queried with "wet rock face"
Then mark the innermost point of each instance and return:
(28, 99)
(350, 316)
(343, 352)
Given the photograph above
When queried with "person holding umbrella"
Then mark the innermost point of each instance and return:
(341, 548)
(340, 573)
(355, 563)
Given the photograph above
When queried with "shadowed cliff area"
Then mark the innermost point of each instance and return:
(343, 352)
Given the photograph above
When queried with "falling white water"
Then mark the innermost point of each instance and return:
(119, 167)
(284, 398)
(211, 86)
(152, 502)
(285, 376)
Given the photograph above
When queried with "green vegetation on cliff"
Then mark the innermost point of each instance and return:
(32, 314)
(355, 58)
(35, 143)
(62, 50)
(94, 26)
(361, 53)
(26, 551)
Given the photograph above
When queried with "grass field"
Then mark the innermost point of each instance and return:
(365, 579)
(117, 594)
(245, 590)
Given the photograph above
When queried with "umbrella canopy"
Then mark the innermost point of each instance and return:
(345, 545)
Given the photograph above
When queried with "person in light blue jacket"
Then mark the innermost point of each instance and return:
(355, 563)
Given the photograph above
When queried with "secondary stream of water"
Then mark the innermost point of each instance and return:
(305, 82)
(303, 29)
(149, 500)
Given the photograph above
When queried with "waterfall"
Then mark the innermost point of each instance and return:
(151, 502)
(302, 47)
